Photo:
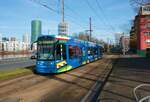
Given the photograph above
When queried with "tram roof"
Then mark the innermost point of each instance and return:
(59, 37)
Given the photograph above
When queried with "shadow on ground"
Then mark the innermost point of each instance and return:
(128, 72)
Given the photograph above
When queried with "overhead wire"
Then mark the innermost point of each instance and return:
(75, 13)
(105, 17)
(139, 3)
(57, 12)
(44, 5)
(95, 13)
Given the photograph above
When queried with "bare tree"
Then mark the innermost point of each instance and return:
(83, 36)
(137, 3)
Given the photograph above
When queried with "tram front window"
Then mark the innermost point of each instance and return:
(45, 52)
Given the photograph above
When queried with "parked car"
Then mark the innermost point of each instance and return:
(34, 55)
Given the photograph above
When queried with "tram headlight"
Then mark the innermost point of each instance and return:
(61, 65)
(57, 66)
(40, 63)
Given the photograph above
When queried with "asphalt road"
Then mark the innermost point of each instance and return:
(72, 86)
(10, 64)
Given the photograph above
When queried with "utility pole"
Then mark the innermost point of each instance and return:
(123, 45)
(108, 45)
(90, 23)
(90, 29)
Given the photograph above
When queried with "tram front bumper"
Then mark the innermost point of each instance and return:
(45, 67)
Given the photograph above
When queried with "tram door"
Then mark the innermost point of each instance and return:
(74, 56)
(99, 52)
(84, 56)
(60, 52)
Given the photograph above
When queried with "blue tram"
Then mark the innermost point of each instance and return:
(56, 54)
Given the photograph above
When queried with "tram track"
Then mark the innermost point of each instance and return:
(21, 84)
(80, 78)
(27, 77)
(12, 81)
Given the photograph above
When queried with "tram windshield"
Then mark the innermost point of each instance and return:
(45, 49)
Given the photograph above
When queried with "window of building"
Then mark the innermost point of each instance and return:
(147, 25)
(147, 41)
(147, 33)
(147, 8)
(147, 17)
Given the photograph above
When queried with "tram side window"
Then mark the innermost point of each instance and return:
(83, 52)
(74, 52)
(89, 51)
(95, 51)
(71, 52)
(80, 52)
(92, 51)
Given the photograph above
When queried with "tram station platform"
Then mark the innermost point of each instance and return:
(128, 72)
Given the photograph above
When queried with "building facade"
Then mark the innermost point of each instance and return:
(11, 45)
(117, 38)
(25, 38)
(140, 32)
(14, 46)
(25, 42)
(63, 29)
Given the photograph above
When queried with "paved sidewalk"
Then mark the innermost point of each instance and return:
(128, 72)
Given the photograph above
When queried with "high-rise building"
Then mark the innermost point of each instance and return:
(12, 39)
(63, 29)
(5, 39)
(25, 42)
(25, 38)
(36, 30)
(117, 38)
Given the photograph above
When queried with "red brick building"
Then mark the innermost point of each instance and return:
(143, 34)
(140, 32)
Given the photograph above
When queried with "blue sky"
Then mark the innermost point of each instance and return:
(16, 16)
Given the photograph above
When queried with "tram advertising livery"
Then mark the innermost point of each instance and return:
(56, 54)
